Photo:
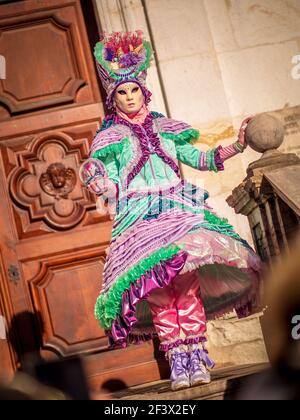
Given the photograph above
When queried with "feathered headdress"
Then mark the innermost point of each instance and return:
(123, 57)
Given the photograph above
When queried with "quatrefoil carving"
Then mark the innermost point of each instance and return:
(45, 182)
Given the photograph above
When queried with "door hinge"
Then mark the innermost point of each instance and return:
(13, 274)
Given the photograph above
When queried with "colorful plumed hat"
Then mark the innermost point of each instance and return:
(123, 57)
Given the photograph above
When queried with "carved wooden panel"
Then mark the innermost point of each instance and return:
(45, 53)
(64, 293)
(44, 185)
(52, 237)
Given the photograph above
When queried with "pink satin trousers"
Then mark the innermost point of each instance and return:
(177, 309)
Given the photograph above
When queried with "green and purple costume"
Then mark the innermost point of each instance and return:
(164, 228)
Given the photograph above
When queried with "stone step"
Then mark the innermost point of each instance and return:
(224, 381)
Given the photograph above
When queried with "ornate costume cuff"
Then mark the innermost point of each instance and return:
(211, 160)
(218, 161)
(239, 147)
(231, 150)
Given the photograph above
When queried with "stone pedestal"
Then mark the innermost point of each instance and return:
(267, 196)
(271, 216)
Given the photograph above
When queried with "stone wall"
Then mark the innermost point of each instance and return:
(290, 117)
(236, 342)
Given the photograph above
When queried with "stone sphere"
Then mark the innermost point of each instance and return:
(264, 132)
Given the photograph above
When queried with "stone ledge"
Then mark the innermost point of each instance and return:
(223, 381)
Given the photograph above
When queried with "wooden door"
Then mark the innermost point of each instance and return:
(7, 357)
(52, 239)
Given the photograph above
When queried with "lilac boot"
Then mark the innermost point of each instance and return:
(199, 362)
(179, 363)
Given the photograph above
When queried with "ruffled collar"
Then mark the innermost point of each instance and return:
(138, 118)
(147, 123)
